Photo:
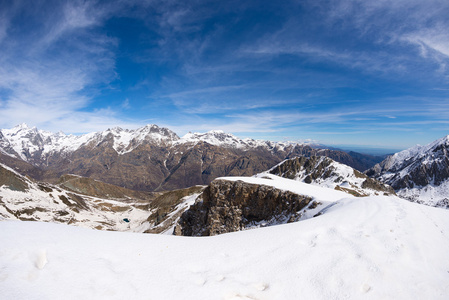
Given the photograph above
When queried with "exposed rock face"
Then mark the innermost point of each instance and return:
(149, 158)
(167, 208)
(419, 174)
(12, 180)
(227, 206)
(323, 171)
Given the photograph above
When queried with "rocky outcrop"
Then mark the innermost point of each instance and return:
(227, 206)
(323, 171)
(12, 180)
(167, 208)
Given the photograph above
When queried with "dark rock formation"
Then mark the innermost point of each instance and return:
(168, 207)
(227, 206)
(12, 181)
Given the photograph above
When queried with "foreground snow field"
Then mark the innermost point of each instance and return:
(370, 248)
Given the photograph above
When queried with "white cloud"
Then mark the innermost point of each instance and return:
(433, 44)
(125, 104)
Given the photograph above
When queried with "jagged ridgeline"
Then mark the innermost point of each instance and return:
(419, 174)
(151, 158)
(326, 172)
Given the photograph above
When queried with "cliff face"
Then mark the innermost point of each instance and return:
(227, 206)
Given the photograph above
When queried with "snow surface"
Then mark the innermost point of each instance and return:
(429, 194)
(360, 248)
(318, 193)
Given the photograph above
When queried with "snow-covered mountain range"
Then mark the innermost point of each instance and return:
(89, 203)
(150, 158)
(24, 142)
(153, 158)
(419, 174)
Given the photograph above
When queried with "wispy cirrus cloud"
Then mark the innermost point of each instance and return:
(371, 36)
(251, 67)
(49, 63)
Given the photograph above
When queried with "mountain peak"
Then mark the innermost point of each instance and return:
(420, 173)
(22, 126)
(218, 132)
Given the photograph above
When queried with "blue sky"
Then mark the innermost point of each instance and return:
(366, 73)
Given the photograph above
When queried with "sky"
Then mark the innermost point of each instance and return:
(342, 73)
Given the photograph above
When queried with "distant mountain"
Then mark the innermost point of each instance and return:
(150, 158)
(420, 174)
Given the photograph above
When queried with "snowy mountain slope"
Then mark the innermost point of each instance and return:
(88, 203)
(23, 142)
(420, 174)
(31, 142)
(325, 172)
(220, 138)
(360, 248)
(23, 199)
(168, 207)
(318, 193)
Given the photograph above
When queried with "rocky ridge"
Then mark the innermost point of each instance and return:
(323, 171)
(419, 174)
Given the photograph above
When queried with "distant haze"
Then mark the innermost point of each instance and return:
(369, 150)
